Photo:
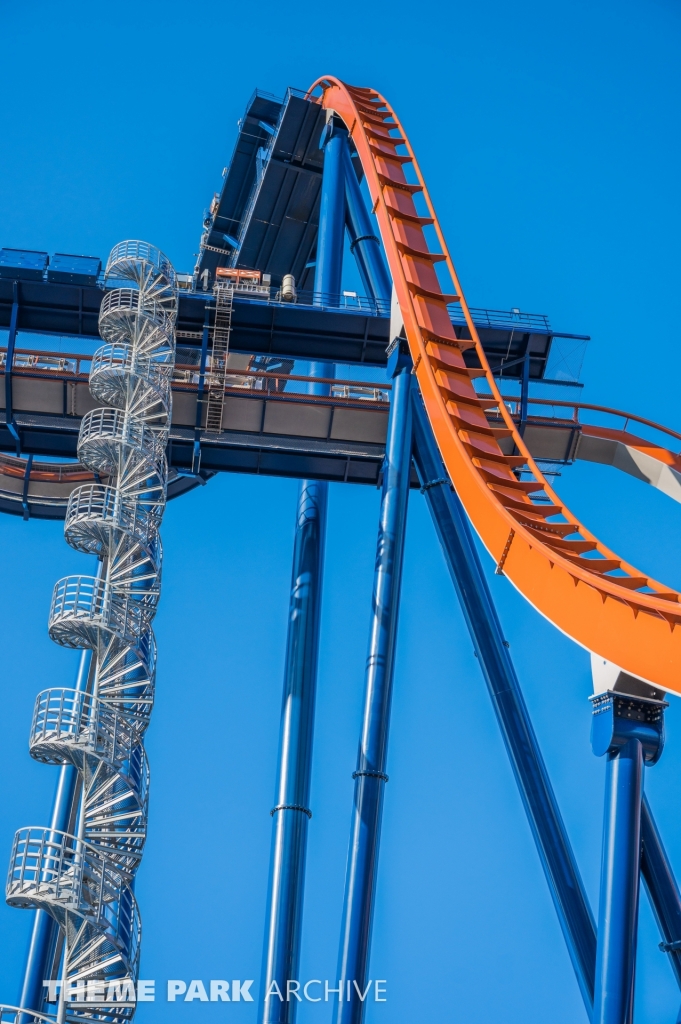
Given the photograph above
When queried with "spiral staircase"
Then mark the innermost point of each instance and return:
(85, 881)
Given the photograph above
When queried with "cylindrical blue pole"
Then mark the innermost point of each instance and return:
(663, 891)
(523, 750)
(291, 812)
(370, 775)
(45, 929)
(292, 801)
(630, 731)
(364, 242)
(618, 911)
(331, 234)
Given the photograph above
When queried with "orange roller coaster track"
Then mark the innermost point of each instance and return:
(562, 569)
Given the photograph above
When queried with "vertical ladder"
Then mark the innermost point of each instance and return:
(219, 352)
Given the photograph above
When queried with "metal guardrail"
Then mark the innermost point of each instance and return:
(95, 510)
(360, 393)
(50, 867)
(18, 1014)
(547, 410)
(353, 302)
(76, 367)
(348, 301)
(83, 607)
(514, 320)
(74, 719)
(32, 360)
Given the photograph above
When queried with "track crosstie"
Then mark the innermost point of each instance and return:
(586, 590)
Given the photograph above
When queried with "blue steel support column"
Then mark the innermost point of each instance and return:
(291, 812)
(44, 935)
(364, 243)
(630, 731)
(525, 390)
(528, 765)
(370, 777)
(9, 363)
(331, 233)
(24, 493)
(663, 891)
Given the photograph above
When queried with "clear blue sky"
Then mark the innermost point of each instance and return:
(549, 136)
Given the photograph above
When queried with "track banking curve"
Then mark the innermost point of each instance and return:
(563, 570)
(613, 445)
(653, 463)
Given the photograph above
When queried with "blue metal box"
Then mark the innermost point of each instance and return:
(66, 269)
(23, 264)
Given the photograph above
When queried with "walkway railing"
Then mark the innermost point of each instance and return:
(584, 413)
(76, 368)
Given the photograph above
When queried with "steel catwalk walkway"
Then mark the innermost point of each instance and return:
(295, 430)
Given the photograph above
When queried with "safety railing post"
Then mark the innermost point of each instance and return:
(291, 812)
(630, 731)
(370, 775)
